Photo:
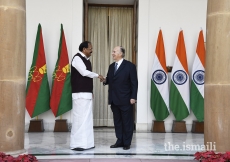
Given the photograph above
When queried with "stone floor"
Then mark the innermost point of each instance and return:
(145, 145)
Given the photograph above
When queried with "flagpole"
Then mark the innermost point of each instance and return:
(57, 88)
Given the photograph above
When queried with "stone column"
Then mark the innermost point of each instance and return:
(217, 75)
(12, 75)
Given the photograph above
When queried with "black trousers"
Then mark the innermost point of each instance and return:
(123, 123)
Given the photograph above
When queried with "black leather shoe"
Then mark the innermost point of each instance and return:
(90, 148)
(82, 149)
(126, 147)
(78, 149)
(115, 146)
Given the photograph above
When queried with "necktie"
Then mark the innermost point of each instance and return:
(115, 67)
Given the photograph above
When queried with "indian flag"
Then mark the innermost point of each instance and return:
(61, 95)
(197, 84)
(37, 89)
(179, 88)
(159, 100)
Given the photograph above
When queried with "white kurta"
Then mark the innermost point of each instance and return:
(82, 120)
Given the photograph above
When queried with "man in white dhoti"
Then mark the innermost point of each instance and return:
(82, 137)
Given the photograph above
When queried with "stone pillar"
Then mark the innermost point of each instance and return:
(12, 75)
(217, 75)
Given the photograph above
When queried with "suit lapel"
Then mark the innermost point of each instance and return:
(112, 68)
(120, 67)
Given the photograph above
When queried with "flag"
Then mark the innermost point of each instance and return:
(37, 89)
(179, 88)
(197, 84)
(61, 94)
(159, 100)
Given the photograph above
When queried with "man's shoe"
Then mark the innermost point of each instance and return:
(115, 146)
(82, 149)
(126, 147)
(78, 149)
(90, 148)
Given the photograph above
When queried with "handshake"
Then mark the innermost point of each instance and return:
(102, 79)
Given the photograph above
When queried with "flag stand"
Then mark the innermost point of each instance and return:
(197, 127)
(158, 127)
(61, 125)
(36, 125)
(179, 127)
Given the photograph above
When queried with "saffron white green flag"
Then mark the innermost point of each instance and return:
(159, 100)
(197, 84)
(179, 88)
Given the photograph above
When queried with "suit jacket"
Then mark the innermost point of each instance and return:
(123, 85)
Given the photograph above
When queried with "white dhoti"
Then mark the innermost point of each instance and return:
(82, 123)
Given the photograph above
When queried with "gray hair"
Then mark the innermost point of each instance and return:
(122, 51)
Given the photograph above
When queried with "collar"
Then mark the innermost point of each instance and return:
(119, 62)
(83, 55)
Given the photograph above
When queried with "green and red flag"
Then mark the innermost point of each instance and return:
(61, 95)
(37, 90)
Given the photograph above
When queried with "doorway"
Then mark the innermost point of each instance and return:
(107, 26)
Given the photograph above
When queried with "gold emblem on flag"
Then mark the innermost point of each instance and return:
(66, 69)
(42, 70)
(60, 73)
(34, 75)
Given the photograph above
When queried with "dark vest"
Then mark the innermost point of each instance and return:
(80, 83)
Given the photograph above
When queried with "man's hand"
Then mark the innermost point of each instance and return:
(132, 101)
(102, 79)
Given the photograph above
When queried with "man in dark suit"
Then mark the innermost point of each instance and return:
(122, 81)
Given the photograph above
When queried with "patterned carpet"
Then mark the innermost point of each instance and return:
(117, 160)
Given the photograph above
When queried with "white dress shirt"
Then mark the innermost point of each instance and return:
(79, 65)
(119, 63)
